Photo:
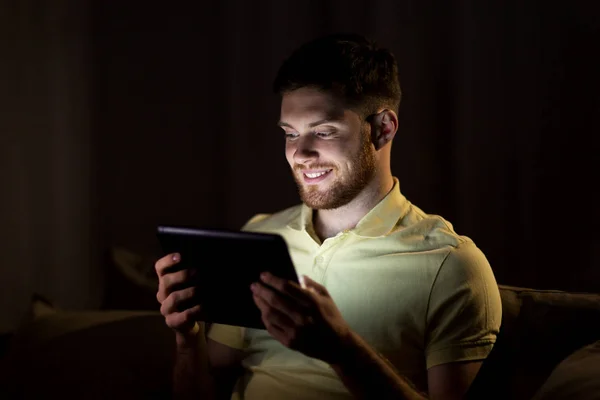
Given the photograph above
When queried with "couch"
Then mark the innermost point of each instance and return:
(127, 354)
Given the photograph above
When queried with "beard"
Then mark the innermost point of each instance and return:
(343, 189)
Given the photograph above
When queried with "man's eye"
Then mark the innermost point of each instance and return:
(289, 135)
(323, 134)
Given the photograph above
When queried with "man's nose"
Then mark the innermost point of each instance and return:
(305, 150)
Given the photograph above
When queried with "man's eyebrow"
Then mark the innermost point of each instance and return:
(311, 125)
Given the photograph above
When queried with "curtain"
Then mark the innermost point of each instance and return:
(47, 233)
(118, 116)
(498, 123)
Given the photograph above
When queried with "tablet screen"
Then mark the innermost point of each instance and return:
(225, 264)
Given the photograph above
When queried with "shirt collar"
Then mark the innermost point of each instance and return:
(378, 222)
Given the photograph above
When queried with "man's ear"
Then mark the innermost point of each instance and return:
(384, 126)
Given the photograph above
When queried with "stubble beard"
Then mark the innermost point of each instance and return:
(343, 189)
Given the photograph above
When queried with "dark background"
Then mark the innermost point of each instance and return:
(123, 115)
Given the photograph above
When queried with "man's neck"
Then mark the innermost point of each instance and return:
(328, 223)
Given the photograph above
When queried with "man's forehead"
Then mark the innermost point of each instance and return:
(316, 104)
(312, 112)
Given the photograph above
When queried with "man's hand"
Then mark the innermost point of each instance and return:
(304, 319)
(307, 320)
(176, 295)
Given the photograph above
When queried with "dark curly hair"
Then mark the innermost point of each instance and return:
(351, 67)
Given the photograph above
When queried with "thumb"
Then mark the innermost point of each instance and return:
(311, 285)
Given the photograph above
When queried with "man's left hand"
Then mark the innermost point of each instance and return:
(304, 319)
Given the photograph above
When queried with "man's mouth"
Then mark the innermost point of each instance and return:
(315, 176)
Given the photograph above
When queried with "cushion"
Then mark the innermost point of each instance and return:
(92, 355)
(130, 282)
(533, 339)
(575, 378)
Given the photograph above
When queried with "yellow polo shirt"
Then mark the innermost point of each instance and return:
(416, 291)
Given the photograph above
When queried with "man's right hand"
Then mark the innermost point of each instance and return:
(176, 295)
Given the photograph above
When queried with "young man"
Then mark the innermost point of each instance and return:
(394, 304)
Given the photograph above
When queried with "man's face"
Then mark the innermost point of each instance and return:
(328, 148)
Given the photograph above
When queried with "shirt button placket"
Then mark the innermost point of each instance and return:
(318, 267)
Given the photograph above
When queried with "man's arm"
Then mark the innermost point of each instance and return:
(203, 367)
(191, 373)
(199, 365)
(366, 373)
(452, 381)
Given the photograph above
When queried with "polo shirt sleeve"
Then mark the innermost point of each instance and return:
(464, 311)
(229, 335)
(250, 225)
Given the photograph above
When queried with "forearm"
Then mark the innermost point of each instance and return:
(191, 374)
(368, 375)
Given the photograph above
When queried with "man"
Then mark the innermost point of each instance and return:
(394, 304)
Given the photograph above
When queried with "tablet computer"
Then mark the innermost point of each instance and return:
(225, 264)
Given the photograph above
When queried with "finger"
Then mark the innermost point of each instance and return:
(276, 324)
(287, 305)
(276, 331)
(171, 282)
(185, 319)
(163, 264)
(272, 316)
(288, 287)
(177, 280)
(162, 294)
(179, 301)
(312, 285)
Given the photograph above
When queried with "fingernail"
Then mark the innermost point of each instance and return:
(253, 287)
(264, 275)
(176, 257)
(302, 282)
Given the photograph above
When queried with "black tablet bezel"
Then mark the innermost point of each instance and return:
(224, 264)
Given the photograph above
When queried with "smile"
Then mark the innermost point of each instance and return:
(315, 176)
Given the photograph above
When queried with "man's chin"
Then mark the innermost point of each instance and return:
(322, 200)
(321, 196)
(315, 200)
